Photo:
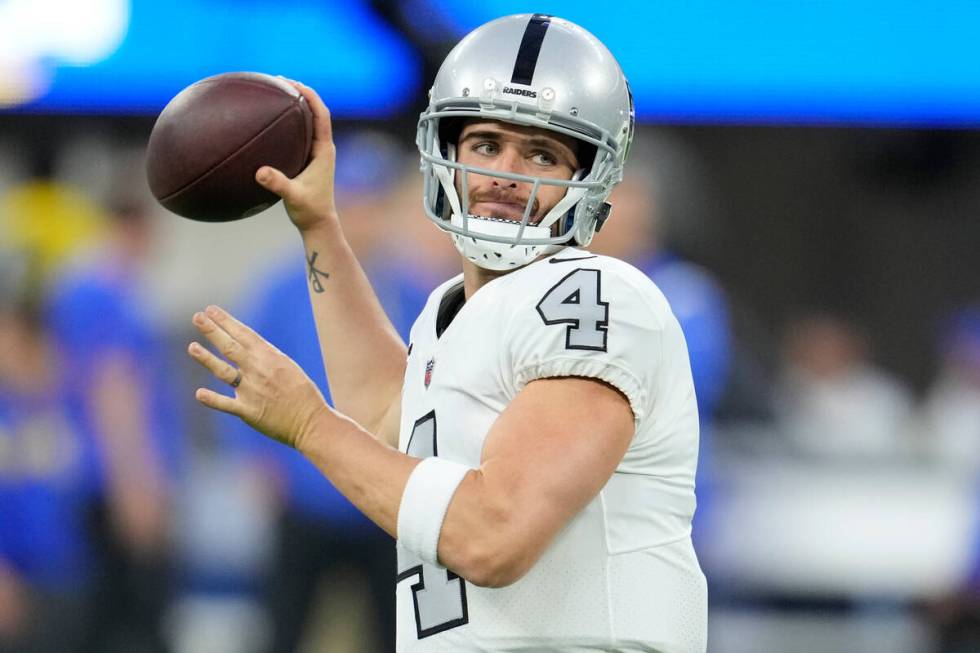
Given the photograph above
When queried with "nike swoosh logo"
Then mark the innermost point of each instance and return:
(565, 260)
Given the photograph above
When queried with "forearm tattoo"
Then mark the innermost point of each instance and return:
(316, 275)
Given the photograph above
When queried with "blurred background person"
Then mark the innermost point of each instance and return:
(654, 212)
(949, 438)
(833, 402)
(950, 426)
(119, 387)
(379, 197)
(46, 574)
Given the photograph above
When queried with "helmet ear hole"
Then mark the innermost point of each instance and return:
(586, 154)
(449, 130)
(439, 205)
(443, 207)
(567, 223)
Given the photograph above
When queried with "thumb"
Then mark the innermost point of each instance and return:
(274, 180)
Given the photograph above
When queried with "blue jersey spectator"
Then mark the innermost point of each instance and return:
(657, 192)
(42, 532)
(100, 320)
(700, 306)
(45, 558)
(654, 202)
(121, 398)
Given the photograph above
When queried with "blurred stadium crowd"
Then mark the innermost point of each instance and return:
(838, 382)
(837, 493)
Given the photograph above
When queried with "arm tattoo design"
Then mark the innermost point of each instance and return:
(315, 274)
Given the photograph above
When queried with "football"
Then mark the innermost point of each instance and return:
(209, 141)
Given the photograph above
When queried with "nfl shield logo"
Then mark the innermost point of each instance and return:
(428, 372)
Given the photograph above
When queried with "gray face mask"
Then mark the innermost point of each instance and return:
(535, 71)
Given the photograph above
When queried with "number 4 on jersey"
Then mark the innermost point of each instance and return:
(439, 594)
(576, 300)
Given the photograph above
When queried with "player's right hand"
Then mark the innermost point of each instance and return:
(309, 196)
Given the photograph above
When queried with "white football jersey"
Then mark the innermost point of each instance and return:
(622, 575)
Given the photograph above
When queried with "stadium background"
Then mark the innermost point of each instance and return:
(803, 189)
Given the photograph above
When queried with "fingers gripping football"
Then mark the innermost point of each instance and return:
(309, 196)
(273, 394)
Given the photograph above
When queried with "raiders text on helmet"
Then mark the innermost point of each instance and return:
(519, 91)
(537, 71)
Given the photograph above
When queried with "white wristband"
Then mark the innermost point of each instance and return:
(429, 490)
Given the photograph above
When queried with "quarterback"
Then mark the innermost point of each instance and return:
(533, 447)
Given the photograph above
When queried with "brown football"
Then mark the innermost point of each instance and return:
(209, 141)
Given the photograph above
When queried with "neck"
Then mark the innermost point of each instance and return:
(475, 277)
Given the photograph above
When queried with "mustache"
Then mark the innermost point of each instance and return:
(503, 196)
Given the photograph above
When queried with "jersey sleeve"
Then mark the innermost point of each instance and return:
(592, 322)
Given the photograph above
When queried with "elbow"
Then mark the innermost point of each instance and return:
(493, 571)
(493, 542)
(494, 560)
(499, 576)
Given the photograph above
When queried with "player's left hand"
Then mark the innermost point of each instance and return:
(273, 394)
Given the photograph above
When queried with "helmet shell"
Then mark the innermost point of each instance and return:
(538, 71)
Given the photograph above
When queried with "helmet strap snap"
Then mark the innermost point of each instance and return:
(602, 214)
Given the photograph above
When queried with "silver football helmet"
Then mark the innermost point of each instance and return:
(538, 71)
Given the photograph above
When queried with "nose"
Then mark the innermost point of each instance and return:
(508, 161)
(503, 183)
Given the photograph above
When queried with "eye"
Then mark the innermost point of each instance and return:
(544, 158)
(486, 148)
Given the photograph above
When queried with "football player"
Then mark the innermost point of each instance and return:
(533, 447)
